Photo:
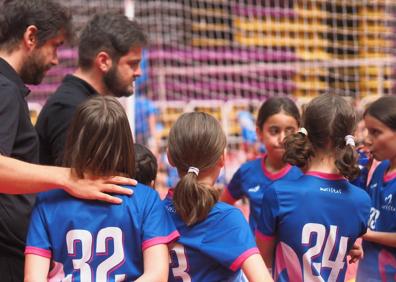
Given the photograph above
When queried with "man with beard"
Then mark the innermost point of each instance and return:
(109, 55)
(30, 33)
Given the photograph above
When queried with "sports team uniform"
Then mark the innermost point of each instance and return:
(251, 179)
(95, 241)
(379, 262)
(213, 249)
(315, 225)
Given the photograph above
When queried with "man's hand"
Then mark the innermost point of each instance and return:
(91, 188)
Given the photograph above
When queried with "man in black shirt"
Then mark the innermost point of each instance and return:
(30, 33)
(109, 52)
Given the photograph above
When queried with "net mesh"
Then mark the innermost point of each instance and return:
(223, 49)
(253, 49)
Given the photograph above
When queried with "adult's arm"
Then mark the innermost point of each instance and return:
(17, 177)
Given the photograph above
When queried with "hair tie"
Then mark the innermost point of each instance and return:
(193, 170)
(350, 140)
(303, 131)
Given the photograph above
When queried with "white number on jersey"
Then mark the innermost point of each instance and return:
(327, 245)
(179, 263)
(374, 215)
(105, 267)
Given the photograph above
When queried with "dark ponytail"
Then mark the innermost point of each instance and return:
(346, 162)
(328, 119)
(344, 123)
(298, 149)
(195, 140)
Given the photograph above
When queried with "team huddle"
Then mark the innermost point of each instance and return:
(306, 211)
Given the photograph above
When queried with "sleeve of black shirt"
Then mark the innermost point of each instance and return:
(9, 118)
(57, 121)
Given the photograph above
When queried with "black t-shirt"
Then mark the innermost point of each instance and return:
(18, 139)
(56, 115)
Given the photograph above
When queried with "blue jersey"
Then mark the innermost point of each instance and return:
(251, 179)
(315, 225)
(213, 249)
(95, 241)
(379, 262)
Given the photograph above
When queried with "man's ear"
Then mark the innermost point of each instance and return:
(169, 158)
(30, 37)
(103, 61)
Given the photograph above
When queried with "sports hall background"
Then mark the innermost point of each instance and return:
(221, 56)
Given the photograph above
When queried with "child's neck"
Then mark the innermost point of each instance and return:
(323, 162)
(273, 165)
(392, 167)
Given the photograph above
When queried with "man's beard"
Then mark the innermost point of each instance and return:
(33, 70)
(112, 81)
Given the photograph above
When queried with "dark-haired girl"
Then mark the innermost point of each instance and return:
(379, 244)
(277, 118)
(310, 224)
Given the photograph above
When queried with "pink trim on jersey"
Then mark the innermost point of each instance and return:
(263, 237)
(228, 194)
(241, 259)
(38, 251)
(389, 176)
(325, 175)
(276, 175)
(171, 191)
(161, 240)
(287, 259)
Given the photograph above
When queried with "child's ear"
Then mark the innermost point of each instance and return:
(259, 133)
(221, 160)
(169, 158)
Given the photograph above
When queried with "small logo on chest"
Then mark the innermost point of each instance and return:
(388, 200)
(254, 189)
(388, 204)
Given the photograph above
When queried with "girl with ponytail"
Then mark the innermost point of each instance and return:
(216, 241)
(311, 223)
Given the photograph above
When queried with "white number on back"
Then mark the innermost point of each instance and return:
(374, 215)
(336, 266)
(105, 268)
(179, 263)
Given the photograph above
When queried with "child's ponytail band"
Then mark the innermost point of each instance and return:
(194, 170)
(350, 140)
(303, 131)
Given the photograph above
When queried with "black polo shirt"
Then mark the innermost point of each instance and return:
(56, 115)
(18, 139)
